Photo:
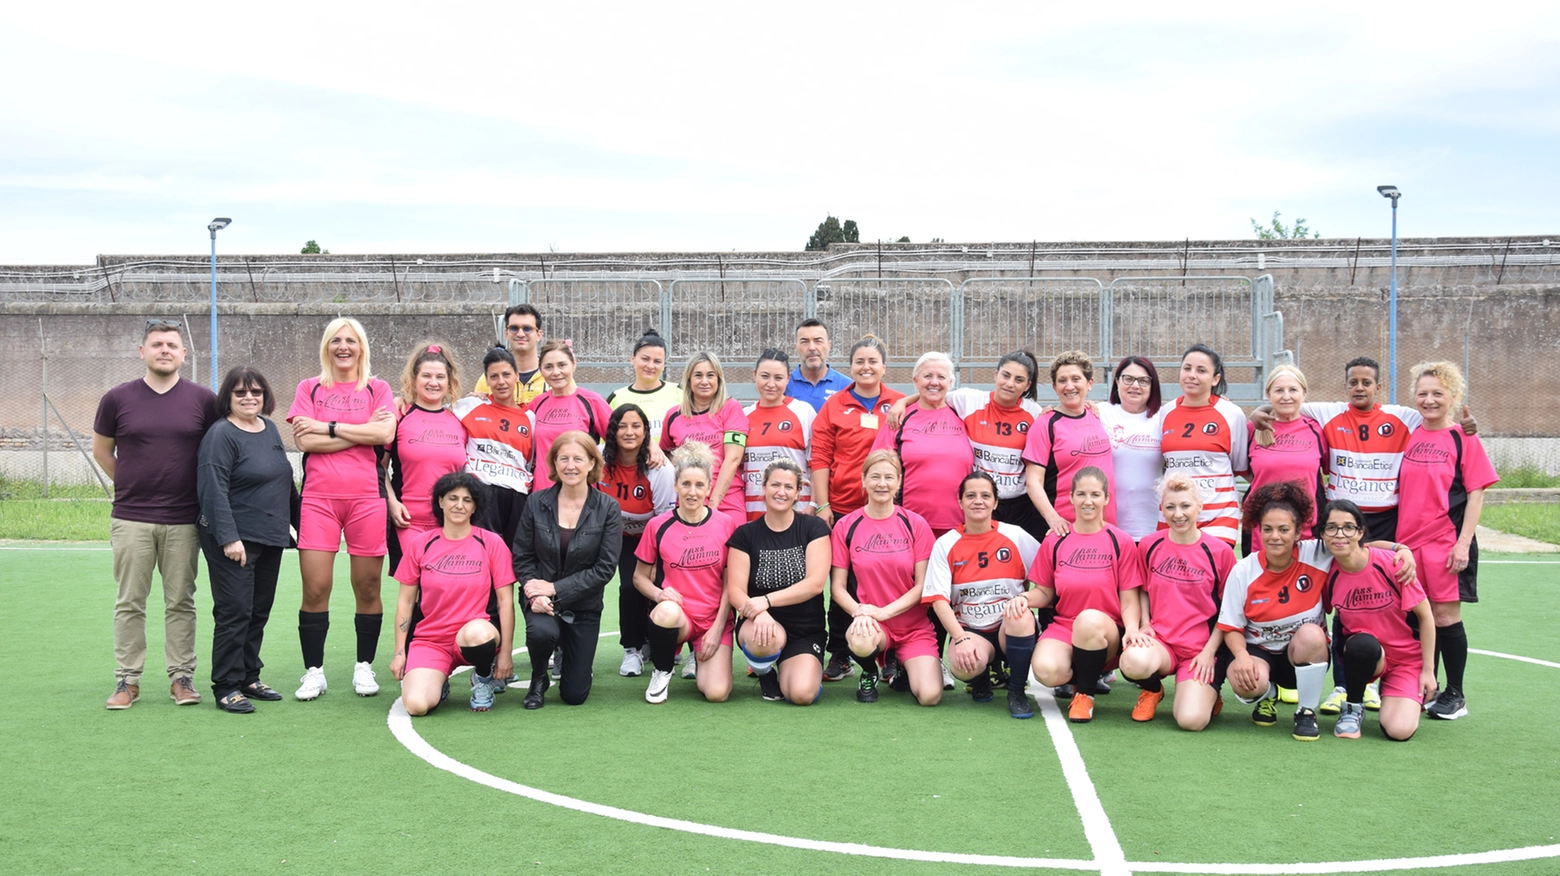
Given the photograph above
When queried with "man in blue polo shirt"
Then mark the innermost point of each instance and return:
(814, 381)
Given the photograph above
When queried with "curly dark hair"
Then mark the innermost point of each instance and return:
(1286, 495)
(609, 445)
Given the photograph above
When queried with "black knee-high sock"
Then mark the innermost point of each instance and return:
(1020, 652)
(1340, 672)
(663, 646)
(312, 627)
(1152, 684)
(1451, 642)
(1361, 651)
(867, 663)
(481, 657)
(1087, 665)
(368, 627)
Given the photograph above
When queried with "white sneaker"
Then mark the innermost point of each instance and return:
(633, 663)
(313, 684)
(690, 667)
(948, 682)
(660, 682)
(363, 679)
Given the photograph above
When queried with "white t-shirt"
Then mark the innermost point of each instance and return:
(1134, 446)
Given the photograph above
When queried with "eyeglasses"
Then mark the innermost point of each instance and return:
(1347, 530)
(1131, 380)
(252, 391)
(521, 329)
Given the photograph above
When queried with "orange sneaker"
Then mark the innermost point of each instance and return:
(1218, 706)
(1082, 709)
(1147, 702)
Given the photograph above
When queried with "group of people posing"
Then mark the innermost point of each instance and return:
(833, 525)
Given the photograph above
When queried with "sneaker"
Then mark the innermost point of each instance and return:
(769, 686)
(900, 682)
(838, 668)
(948, 682)
(1449, 706)
(1218, 706)
(1373, 696)
(481, 692)
(1147, 702)
(1018, 704)
(891, 667)
(363, 679)
(690, 667)
(1266, 712)
(1349, 720)
(444, 692)
(1333, 705)
(633, 663)
(502, 684)
(1288, 695)
(660, 683)
(313, 684)
(1082, 709)
(980, 688)
(183, 691)
(1103, 685)
(555, 667)
(866, 688)
(125, 694)
(999, 674)
(1305, 726)
(1063, 691)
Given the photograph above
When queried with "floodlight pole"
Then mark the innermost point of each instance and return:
(1392, 332)
(216, 225)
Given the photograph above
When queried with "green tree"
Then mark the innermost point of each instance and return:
(852, 233)
(905, 239)
(831, 231)
(313, 248)
(1277, 230)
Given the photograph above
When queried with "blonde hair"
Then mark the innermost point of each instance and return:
(718, 401)
(363, 369)
(429, 351)
(694, 454)
(1267, 385)
(1450, 376)
(884, 455)
(1073, 357)
(1179, 482)
(584, 442)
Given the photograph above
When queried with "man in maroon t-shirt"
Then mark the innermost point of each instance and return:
(146, 436)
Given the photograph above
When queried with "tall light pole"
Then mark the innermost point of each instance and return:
(216, 225)
(1393, 193)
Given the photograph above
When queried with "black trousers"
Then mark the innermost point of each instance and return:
(241, 598)
(574, 640)
(633, 607)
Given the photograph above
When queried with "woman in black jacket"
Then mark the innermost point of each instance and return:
(566, 550)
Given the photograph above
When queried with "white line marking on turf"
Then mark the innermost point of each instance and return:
(1532, 660)
(1096, 824)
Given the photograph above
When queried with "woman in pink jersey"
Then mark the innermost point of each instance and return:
(687, 545)
(1377, 640)
(457, 603)
(1064, 441)
(932, 445)
(706, 415)
(779, 427)
(430, 442)
(565, 407)
(1203, 435)
(880, 553)
(1091, 574)
(499, 435)
(641, 492)
(1183, 581)
(1291, 448)
(1131, 419)
(339, 420)
(1441, 495)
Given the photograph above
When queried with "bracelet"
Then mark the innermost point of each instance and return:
(820, 507)
(332, 428)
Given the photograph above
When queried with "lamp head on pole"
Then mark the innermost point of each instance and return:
(218, 224)
(1390, 192)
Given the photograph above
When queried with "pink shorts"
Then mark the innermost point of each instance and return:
(441, 658)
(1060, 630)
(1181, 662)
(696, 632)
(1401, 677)
(915, 641)
(408, 535)
(321, 523)
(1430, 565)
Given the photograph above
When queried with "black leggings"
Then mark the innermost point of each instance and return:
(633, 607)
(575, 642)
(241, 598)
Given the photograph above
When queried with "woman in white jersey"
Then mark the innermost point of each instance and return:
(1131, 419)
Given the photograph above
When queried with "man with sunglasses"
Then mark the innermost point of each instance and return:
(523, 336)
(146, 437)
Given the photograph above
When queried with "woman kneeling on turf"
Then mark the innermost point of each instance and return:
(1373, 603)
(1184, 574)
(1091, 575)
(457, 603)
(775, 572)
(880, 553)
(688, 543)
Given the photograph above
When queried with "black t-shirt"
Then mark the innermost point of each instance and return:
(779, 559)
(156, 439)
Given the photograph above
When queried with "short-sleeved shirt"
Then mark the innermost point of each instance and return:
(936, 454)
(1371, 601)
(1185, 586)
(692, 557)
(1364, 450)
(1268, 607)
(815, 394)
(1134, 451)
(498, 443)
(842, 436)
(1063, 445)
(1440, 468)
(528, 385)
(656, 403)
(639, 497)
(729, 425)
(780, 432)
(880, 557)
(428, 445)
(977, 574)
(156, 444)
(997, 435)
(1297, 454)
(776, 560)
(581, 410)
(352, 472)
(1208, 444)
(456, 580)
(1088, 570)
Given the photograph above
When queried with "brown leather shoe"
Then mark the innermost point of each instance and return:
(125, 695)
(183, 691)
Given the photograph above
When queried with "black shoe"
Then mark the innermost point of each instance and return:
(1062, 692)
(1018, 704)
(259, 690)
(536, 697)
(866, 688)
(236, 703)
(900, 681)
(891, 667)
(999, 673)
(838, 668)
(1103, 685)
(1305, 726)
(769, 686)
(980, 688)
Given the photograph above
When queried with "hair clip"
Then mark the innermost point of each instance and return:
(435, 348)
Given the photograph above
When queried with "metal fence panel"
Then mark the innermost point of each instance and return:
(1045, 315)
(734, 318)
(911, 315)
(1159, 317)
(603, 317)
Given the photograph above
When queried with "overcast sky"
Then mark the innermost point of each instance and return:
(415, 128)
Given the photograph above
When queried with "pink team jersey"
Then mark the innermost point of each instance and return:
(936, 454)
(1063, 445)
(1371, 601)
(556, 414)
(456, 580)
(1268, 607)
(881, 556)
(1436, 464)
(1087, 571)
(1185, 584)
(729, 425)
(781, 432)
(997, 435)
(692, 560)
(1208, 444)
(428, 445)
(353, 472)
(977, 574)
(1297, 454)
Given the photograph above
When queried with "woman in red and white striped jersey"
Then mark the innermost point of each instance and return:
(779, 427)
(1203, 435)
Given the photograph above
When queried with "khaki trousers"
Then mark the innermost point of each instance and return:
(172, 550)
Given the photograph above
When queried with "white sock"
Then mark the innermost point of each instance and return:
(1310, 678)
